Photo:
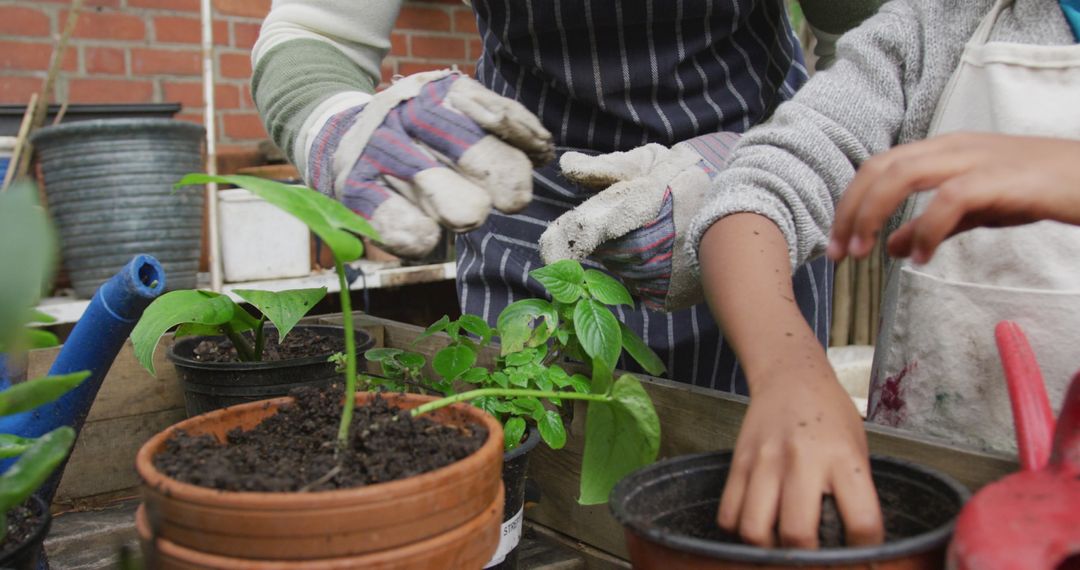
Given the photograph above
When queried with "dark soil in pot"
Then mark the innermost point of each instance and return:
(669, 509)
(27, 526)
(294, 449)
(299, 343)
(213, 377)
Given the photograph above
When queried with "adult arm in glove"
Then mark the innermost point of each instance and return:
(435, 148)
(636, 226)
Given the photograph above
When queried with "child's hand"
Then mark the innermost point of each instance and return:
(802, 438)
(982, 180)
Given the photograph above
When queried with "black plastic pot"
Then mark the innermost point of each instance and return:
(210, 386)
(27, 555)
(515, 464)
(668, 510)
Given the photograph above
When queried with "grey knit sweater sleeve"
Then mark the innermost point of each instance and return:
(882, 91)
(792, 169)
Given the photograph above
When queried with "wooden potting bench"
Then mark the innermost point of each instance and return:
(95, 497)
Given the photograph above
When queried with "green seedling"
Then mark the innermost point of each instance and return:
(525, 385)
(213, 314)
(27, 241)
(338, 227)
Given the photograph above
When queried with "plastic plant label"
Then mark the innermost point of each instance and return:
(509, 536)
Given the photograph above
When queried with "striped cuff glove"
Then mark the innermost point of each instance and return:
(435, 148)
(636, 225)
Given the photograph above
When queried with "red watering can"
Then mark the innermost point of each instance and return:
(1029, 520)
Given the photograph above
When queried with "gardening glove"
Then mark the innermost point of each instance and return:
(636, 225)
(434, 148)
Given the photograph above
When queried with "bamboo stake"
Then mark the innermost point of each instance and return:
(20, 141)
(214, 247)
(23, 149)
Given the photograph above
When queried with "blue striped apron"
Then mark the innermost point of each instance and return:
(608, 75)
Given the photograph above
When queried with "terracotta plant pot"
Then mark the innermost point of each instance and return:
(463, 547)
(387, 519)
(659, 503)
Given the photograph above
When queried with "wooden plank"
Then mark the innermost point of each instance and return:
(104, 456)
(592, 558)
(128, 389)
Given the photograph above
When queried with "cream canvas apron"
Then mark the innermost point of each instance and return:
(936, 369)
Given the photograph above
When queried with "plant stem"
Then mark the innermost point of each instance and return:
(350, 355)
(473, 394)
(243, 349)
(260, 339)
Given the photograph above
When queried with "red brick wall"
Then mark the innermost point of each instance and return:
(141, 51)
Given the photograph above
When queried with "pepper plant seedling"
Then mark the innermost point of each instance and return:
(622, 430)
(339, 228)
(213, 314)
(27, 241)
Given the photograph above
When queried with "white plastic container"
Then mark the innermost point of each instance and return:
(853, 366)
(260, 241)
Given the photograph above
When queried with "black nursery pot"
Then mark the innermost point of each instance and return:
(515, 464)
(668, 511)
(27, 555)
(210, 386)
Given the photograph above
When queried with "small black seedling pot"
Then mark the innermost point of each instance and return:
(27, 555)
(515, 464)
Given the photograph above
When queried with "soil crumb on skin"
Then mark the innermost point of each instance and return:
(295, 448)
(22, 521)
(299, 343)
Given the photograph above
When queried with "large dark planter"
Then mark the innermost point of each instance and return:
(26, 556)
(109, 186)
(515, 465)
(210, 386)
(658, 503)
(11, 115)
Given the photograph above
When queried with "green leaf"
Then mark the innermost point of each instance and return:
(37, 338)
(581, 384)
(382, 354)
(529, 322)
(520, 358)
(195, 329)
(501, 379)
(283, 308)
(411, 360)
(602, 373)
(563, 279)
(552, 430)
(436, 327)
(640, 352)
(620, 436)
(33, 393)
(598, 331)
(606, 289)
(34, 467)
(453, 360)
(513, 431)
(174, 308)
(475, 375)
(478, 327)
(27, 254)
(562, 335)
(519, 378)
(37, 316)
(12, 445)
(529, 406)
(543, 381)
(332, 221)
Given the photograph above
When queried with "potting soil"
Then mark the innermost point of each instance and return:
(21, 524)
(299, 343)
(295, 448)
(700, 522)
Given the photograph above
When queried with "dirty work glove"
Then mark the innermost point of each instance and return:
(434, 148)
(636, 225)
